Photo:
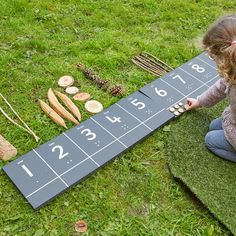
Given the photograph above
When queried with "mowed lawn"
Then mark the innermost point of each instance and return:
(43, 40)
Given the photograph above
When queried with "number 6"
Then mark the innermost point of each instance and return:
(160, 92)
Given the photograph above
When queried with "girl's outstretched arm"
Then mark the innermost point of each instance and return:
(213, 95)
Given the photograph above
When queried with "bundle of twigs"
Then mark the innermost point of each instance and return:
(151, 64)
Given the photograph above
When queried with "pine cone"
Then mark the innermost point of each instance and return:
(89, 74)
(117, 90)
(80, 66)
(104, 84)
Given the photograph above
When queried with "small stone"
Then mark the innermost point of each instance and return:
(172, 109)
(176, 106)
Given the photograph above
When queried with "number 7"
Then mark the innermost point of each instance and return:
(179, 77)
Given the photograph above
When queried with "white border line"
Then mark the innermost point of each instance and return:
(117, 139)
(41, 187)
(142, 122)
(50, 167)
(206, 63)
(80, 148)
(193, 76)
(107, 131)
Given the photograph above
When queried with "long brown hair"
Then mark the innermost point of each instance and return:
(218, 42)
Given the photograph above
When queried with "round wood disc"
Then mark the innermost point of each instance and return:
(65, 81)
(72, 90)
(81, 226)
(93, 106)
(82, 97)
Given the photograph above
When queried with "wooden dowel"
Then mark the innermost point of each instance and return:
(159, 66)
(150, 55)
(144, 67)
(151, 64)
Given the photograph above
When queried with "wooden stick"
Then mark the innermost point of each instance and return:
(27, 127)
(151, 65)
(144, 67)
(150, 55)
(160, 67)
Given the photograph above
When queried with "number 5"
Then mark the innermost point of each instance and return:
(140, 105)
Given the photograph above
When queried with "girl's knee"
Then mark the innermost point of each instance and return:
(209, 140)
(216, 124)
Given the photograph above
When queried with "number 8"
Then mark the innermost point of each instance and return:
(198, 68)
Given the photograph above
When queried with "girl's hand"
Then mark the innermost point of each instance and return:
(192, 103)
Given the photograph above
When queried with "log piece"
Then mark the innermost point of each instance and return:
(7, 150)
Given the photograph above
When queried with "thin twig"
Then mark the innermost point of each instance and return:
(151, 65)
(145, 67)
(27, 127)
(169, 67)
(10, 119)
(159, 66)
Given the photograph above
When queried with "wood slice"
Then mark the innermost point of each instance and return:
(65, 81)
(72, 90)
(93, 106)
(82, 97)
(7, 150)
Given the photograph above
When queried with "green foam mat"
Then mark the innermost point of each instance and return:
(210, 178)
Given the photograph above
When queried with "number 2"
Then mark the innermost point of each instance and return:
(61, 154)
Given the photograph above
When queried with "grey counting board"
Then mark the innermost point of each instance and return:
(53, 167)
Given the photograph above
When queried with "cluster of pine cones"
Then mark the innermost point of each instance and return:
(116, 90)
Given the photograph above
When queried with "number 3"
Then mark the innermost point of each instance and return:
(87, 133)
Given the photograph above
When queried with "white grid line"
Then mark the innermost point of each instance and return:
(50, 168)
(108, 131)
(206, 63)
(116, 139)
(192, 92)
(134, 116)
(41, 187)
(172, 86)
(90, 157)
(193, 76)
(81, 149)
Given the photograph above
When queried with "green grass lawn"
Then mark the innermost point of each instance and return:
(43, 40)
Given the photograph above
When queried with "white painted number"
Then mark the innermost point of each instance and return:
(61, 154)
(198, 68)
(179, 77)
(211, 58)
(139, 105)
(27, 170)
(113, 119)
(160, 92)
(88, 134)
